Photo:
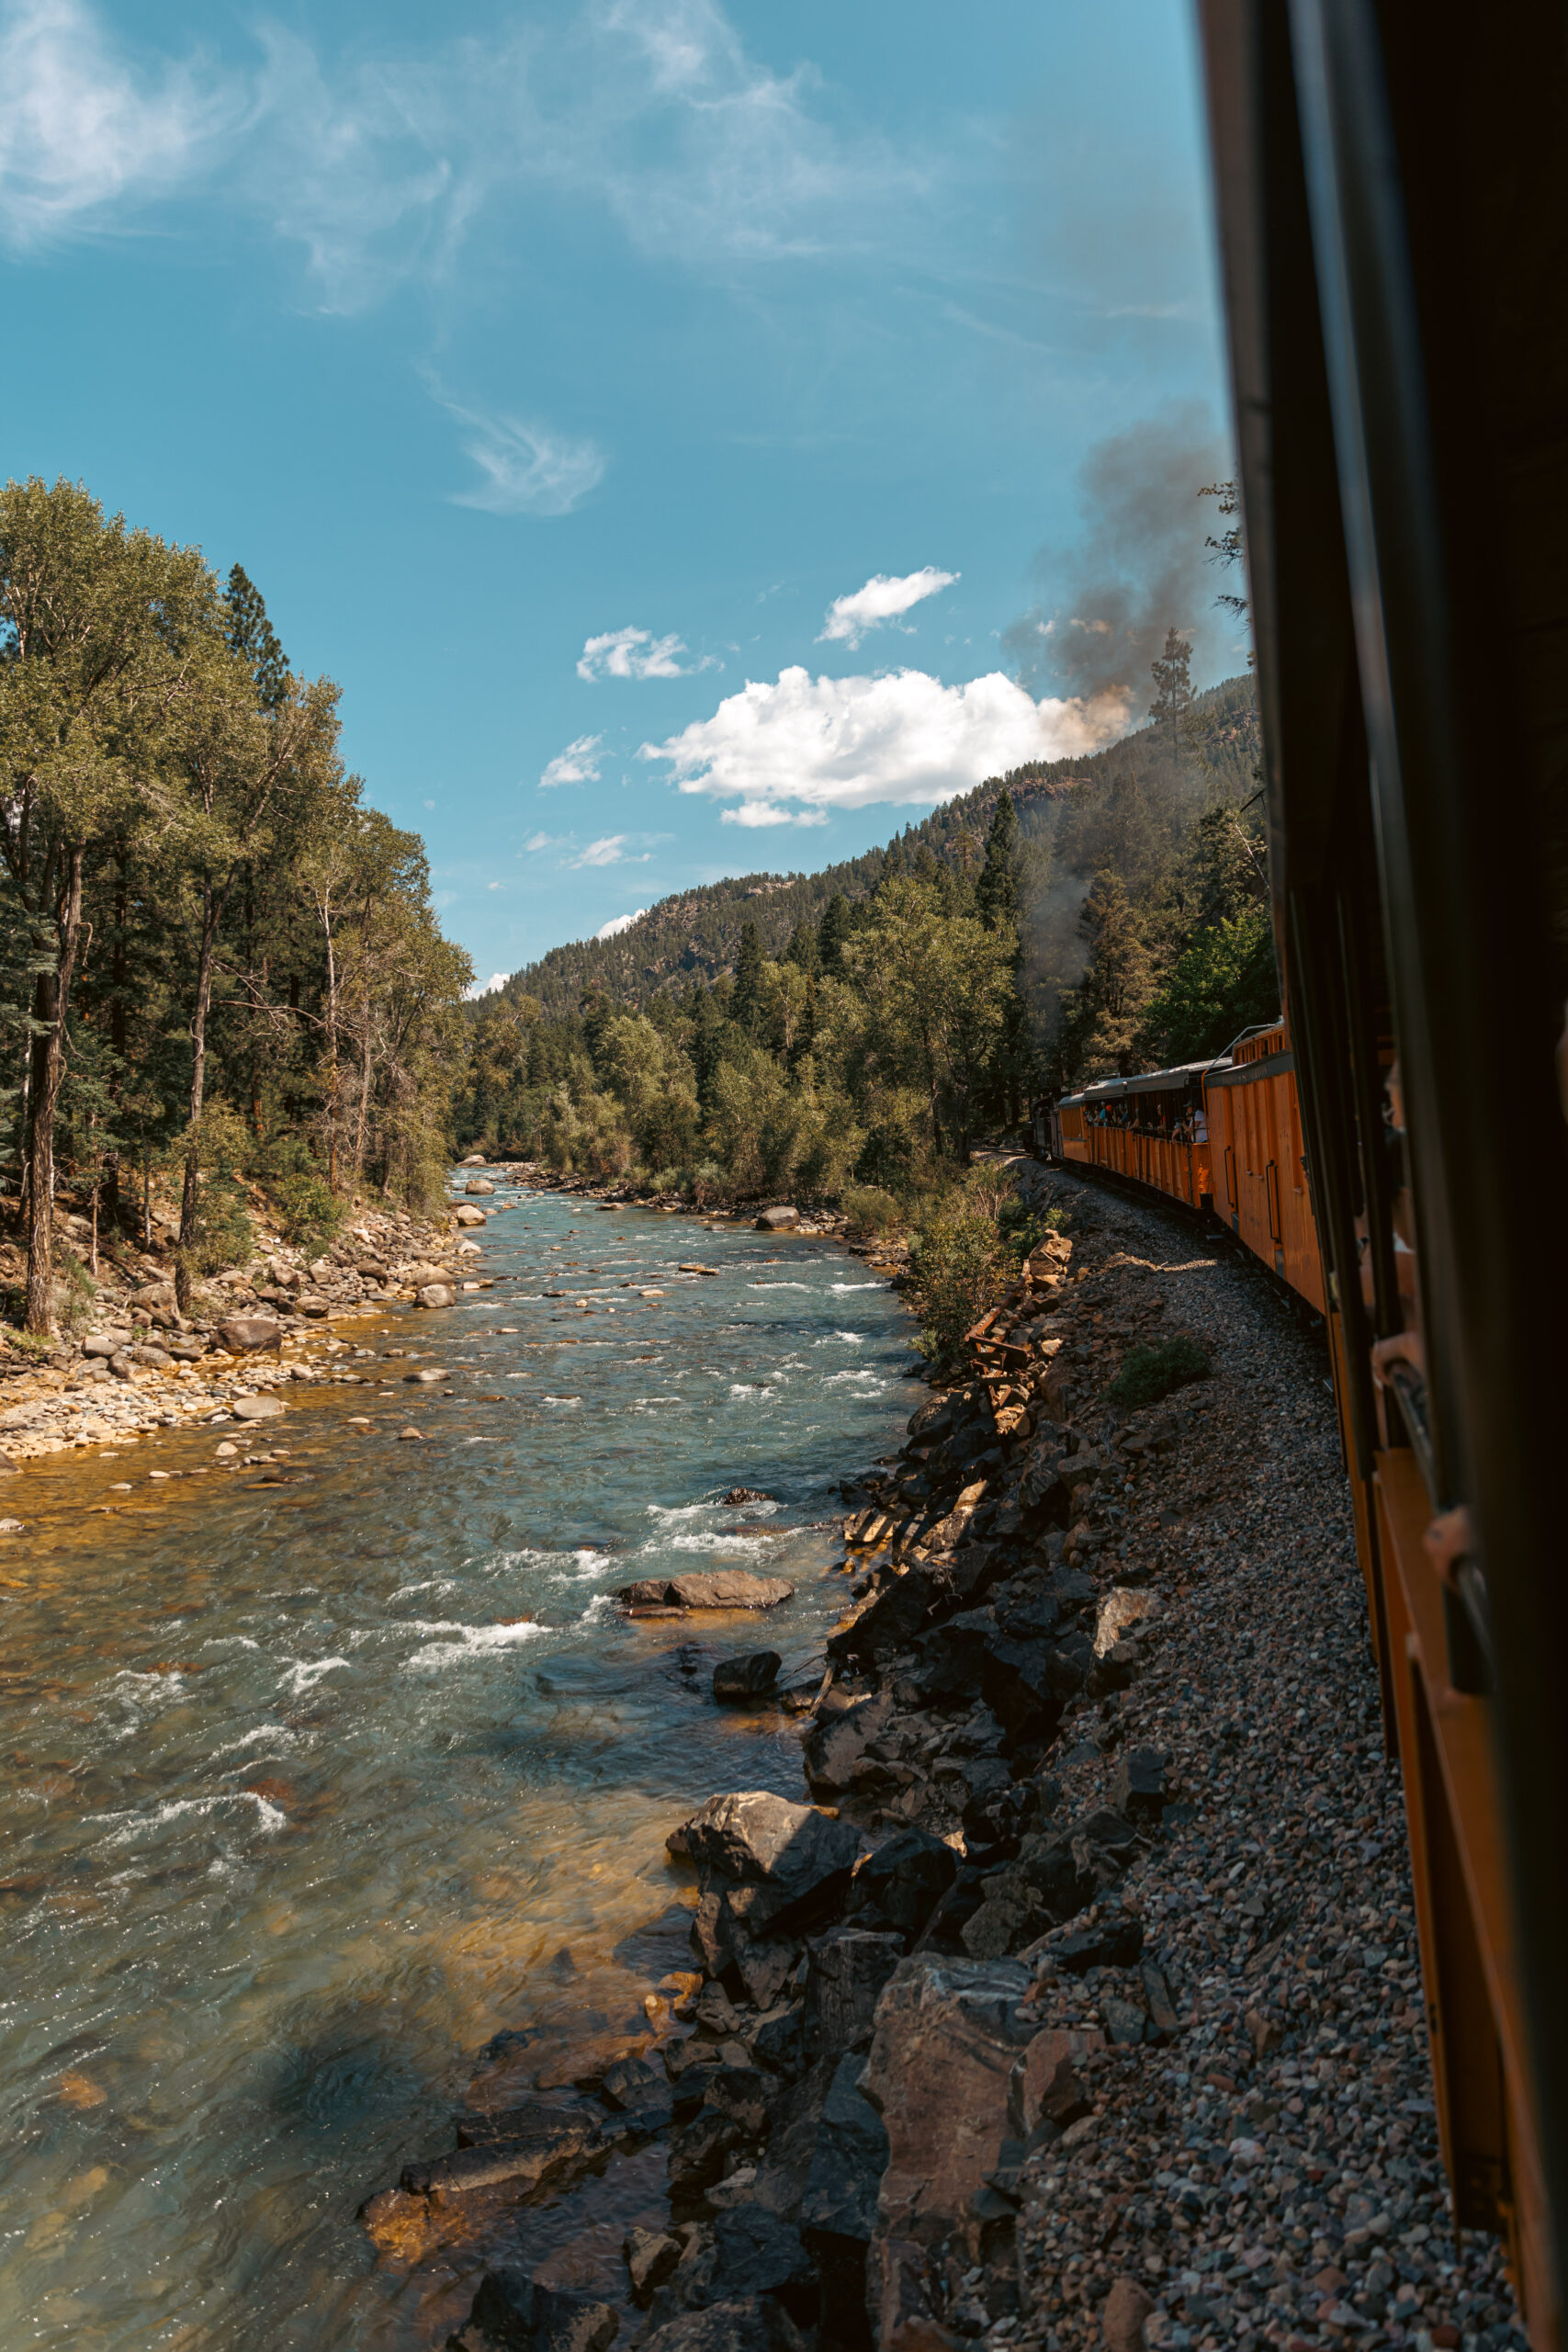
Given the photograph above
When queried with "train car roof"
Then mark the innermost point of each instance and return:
(1152, 1081)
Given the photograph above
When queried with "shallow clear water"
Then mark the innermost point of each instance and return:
(312, 1788)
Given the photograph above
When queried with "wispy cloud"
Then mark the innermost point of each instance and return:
(579, 763)
(787, 753)
(637, 653)
(379, 165)
(82, 125)
(535, 843)
(617, 924)
(527, 469)
(609, 850)
(881, 600)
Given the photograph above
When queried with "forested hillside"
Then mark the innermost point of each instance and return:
(697, 932)
(218, 967)
(861, 1027)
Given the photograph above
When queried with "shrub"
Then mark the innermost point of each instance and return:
(871, 1210)
(958, 1267)
(1149, 1373)
(310, 1214)
(224, 1233)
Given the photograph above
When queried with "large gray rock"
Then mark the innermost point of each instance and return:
(258, 1409)
(524, 2147)
(723, 1589)
(839, 1739)
(249, 1334)
(479, 1184)
(948, 2035)
(512, 2314)
(760, 1839)
(469, 1215)
(906, 1879)
(778, 1220)
(436, 1295)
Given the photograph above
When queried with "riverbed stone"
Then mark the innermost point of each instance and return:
(246, 1335)
(258, 1409)
(847, 1969)
(778, 1220)
(718, 1589)
(904, 1879)
(739, 1678)
(479, 1184)
(521, 2147)
(436, 1295)
(469, 1215)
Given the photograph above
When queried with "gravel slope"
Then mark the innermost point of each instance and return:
(1268, 2172)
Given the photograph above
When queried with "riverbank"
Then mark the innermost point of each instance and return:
(1083, 2003)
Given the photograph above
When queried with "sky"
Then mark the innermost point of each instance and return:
(697, 439)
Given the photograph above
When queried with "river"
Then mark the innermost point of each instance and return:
(321, 1771)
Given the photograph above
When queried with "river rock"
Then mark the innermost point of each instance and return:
(246, 1335)
(761, 1839)
(104, 1343)
(415, 1277)
(837, 2212)
(777, 1220)
(523, 2147)
(722, 1589)
(479, 1184)
(1044, 2083)
(511, 2313)
(735, 1496)
(257, 1408)
(651, 2256)
(435, 1295)
(1120, 1609)
(474, 1160)
(746, 1678)
(468, 1215)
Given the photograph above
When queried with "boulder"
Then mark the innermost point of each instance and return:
(895, 1615)
(906, 1879)
(728, 1589)
(1113, 1942)
(257, 1408)
(739, 1678)
(435, 1295)
(846, 1972)
(416, 1277)
(468, 1215)
(947, 2036)
(836, 1741)
(513, 2314)
(953, 1655)
(245, 1335)
(474, 1160)
(761, 1839)
(738, 1494)
(104, 1343)
(1019, 1681)
(777, 1220)
(479, 1184)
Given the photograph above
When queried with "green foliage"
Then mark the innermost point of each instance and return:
(959, 1268)
(869, 1209)
(1149, 1373)
(1223, 981)
(309, 1213)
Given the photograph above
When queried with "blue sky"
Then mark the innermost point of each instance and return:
(696, 438)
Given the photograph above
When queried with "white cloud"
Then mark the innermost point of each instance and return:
(527, 469)
(635, 653)
(882, 599)
(579, 763)
(537, 841)
(789, 752)
(609, 850)
(486, 988)
(82, 128)
(617, 924)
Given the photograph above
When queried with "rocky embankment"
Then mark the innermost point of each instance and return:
(136, 1364)
(1083, 2004)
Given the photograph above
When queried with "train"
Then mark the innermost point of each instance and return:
(1392, 206)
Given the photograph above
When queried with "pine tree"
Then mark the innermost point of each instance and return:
(745, 995)
(1173, 679)
(996, 893)
(832, 931)
(803, 950)
(248, 632)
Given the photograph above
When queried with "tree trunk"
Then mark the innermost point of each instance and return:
(190, 1193)
(363, 1094)
(51, 998)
